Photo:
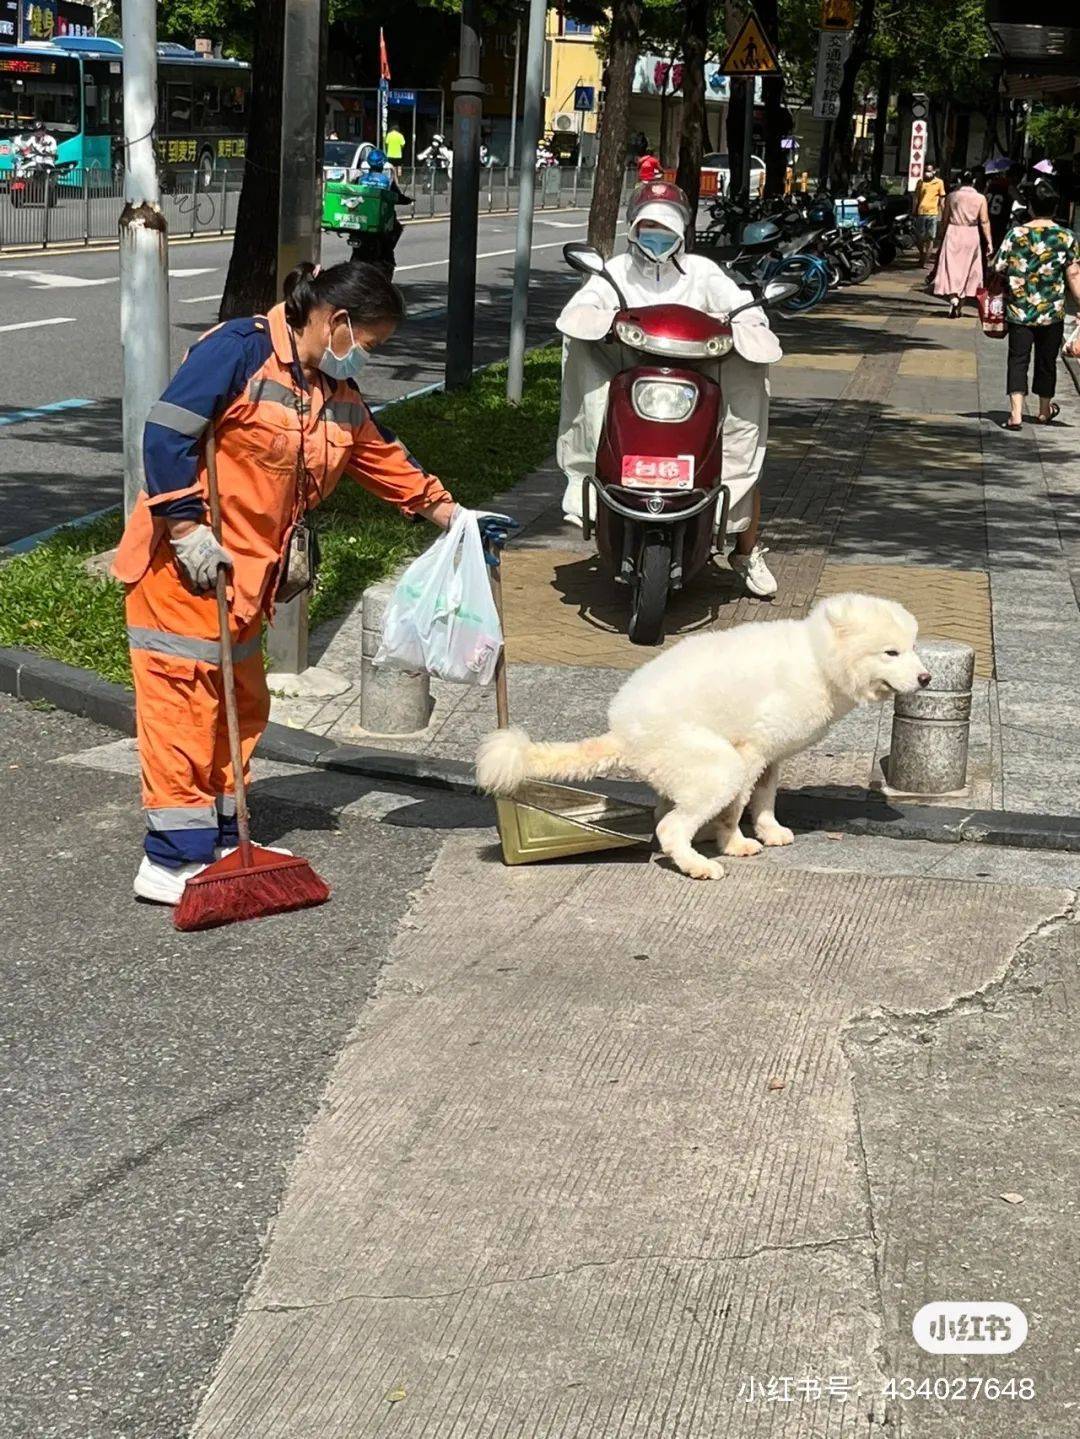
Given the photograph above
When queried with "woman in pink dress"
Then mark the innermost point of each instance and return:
(965, 238)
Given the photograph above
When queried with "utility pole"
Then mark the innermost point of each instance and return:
(144, 244)
(514, 101)
(302, 101)
(530, 135)
(464, 199)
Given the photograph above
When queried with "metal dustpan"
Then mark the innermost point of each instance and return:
(554, 821)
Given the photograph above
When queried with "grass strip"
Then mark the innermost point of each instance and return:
(473, 440)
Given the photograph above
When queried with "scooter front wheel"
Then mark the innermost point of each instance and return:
(651, 591)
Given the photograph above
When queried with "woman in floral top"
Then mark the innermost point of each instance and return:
(1037, 260)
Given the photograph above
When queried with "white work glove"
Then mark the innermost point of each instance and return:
(199, 555)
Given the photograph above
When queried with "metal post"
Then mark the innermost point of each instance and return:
(86, 205)
(194, 199)
(464, 202)
(224, 195)
(491, 187)
(144, 244)
(412, 152)
(514, 101)
(530, 134)
(506, 188)
(748, 137)
(298, 239)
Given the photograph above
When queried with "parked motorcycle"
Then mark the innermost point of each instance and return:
(656, 503)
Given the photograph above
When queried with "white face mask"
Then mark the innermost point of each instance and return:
(347, 366)
(658, 245)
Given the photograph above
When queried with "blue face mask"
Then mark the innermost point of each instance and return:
(658, 244)
(347, 366)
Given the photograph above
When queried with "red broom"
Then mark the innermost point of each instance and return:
(251, 882)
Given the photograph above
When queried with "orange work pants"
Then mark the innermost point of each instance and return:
(187, 780)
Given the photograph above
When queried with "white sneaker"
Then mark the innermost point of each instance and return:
(162, 885)
(755, 573)
(573, 520)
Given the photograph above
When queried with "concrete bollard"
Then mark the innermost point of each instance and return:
(929, 750)
(391, 701)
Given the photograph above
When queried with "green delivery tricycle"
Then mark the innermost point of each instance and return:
(365, 215)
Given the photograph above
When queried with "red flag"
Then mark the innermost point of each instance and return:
(384, 58)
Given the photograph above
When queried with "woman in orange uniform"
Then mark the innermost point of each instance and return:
(282, 394)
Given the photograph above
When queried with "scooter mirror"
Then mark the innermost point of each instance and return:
(583, 258)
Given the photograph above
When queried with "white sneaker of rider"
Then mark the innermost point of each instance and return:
(755, 573)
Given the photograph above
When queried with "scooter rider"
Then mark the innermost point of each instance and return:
(36, 147)
(656, 270)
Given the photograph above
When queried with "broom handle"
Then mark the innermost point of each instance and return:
(502, 701)
(228, 674)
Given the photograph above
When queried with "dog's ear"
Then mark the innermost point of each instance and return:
(839, 611)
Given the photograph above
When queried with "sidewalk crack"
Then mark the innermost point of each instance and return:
(807, 1246)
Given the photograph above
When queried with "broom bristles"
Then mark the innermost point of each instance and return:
(226, 893)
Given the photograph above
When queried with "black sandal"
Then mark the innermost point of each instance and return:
(1055, 410)
(1008, 425)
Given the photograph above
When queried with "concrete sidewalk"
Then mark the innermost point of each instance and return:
(887, 471)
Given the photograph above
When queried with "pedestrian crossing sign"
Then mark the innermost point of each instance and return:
(750, 53)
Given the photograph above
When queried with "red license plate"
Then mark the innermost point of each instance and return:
(658, 472)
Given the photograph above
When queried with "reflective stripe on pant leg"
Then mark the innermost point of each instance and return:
(163, 642)
(177, 835)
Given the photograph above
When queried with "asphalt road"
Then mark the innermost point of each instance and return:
(155, 1085)
(59, 347)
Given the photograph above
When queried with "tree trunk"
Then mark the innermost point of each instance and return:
(695, 42)
(843, 126)
(881, 124)
(614, 125)
(251, 284)
(773, 95)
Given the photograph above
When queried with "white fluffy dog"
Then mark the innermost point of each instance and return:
(707, 722)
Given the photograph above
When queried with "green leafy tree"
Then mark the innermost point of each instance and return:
(1054, 130)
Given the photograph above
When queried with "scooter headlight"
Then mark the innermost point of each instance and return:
(669, 400)
(630, 334)
(718, 345)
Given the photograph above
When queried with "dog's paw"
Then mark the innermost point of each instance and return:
(698, 867)
(776, 834)
(739, 846)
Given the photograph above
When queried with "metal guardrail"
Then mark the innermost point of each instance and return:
(84, 205)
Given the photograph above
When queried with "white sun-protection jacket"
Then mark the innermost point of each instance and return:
(588, 367)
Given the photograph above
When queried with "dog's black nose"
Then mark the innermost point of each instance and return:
(924, 679)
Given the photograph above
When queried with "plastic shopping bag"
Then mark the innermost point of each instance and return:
(991, 301)
(442, 616)
(1070, 346)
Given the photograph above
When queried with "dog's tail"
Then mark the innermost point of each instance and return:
(508, 757)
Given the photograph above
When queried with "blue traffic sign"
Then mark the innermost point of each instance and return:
(585, 97)
(406, 98)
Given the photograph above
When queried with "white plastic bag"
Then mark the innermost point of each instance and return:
(442, 616)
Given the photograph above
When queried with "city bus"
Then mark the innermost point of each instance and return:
(75, 84)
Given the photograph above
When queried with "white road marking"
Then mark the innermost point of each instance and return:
(36, 324)
(489, 255)
(45, 280)
(186, 274)
(198, 299)
(559, 224)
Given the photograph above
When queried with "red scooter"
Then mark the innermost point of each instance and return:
(657, 482)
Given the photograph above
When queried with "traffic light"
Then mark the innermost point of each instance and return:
(920, 106)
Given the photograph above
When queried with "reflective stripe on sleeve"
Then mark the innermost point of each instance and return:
(272, 392)
(187, 647)
(175, 417)
(200, 817)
